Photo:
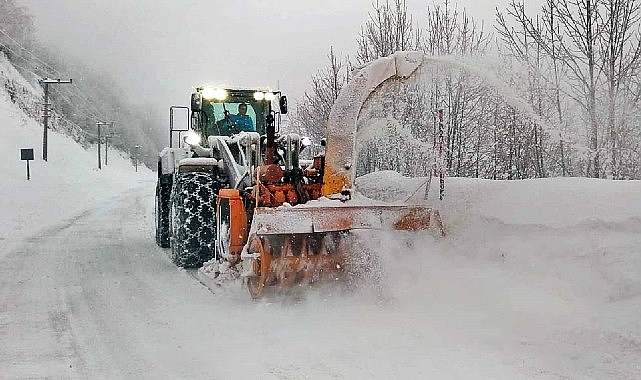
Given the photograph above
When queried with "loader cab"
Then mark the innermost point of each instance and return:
(215, 111)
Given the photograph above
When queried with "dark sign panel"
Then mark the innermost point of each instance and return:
(26, 154)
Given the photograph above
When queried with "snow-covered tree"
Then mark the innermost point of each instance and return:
(620, 49)
(16, 24)
(452, 32)
(593, 47)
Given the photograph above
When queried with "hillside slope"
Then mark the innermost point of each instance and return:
(59, 187)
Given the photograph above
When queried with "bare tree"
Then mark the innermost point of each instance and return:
(575, 43)
(595, 50)
(388, 30)
(450, 31)
(621, 52)
(313, 111)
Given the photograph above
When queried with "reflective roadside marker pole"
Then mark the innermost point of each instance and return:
(27, 155)
(99, 160)
(106, 149)
(441, 156)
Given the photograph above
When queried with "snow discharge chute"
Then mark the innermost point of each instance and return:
(340, 155)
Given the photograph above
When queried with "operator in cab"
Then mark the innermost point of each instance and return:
(242, 122)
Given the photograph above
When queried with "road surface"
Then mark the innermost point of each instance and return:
(95, 298)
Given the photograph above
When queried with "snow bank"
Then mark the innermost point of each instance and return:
(552, 202)
(545, 273)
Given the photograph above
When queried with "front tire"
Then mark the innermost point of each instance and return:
(193, 218)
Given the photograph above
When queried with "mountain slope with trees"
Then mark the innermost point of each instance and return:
(76, 108)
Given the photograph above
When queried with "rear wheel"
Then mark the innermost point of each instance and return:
(163, 192)
(193, 218)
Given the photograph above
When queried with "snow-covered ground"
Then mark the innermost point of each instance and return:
(546, 272)
(537, 279)
(60, 187)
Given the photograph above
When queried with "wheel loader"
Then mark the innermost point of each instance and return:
(245, 201)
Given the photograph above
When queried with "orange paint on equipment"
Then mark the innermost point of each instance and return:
(279, 197)
(237, 221)
(274, 195)
(415, 219)
(291, 197)
(333, 181)
(289, 260)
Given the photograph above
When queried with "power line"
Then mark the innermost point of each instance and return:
(24, 59)
(82, 105)
(31, 53)
(86, 106)
(47, 74)
(86, 111)
(92, 114)
(55, 71)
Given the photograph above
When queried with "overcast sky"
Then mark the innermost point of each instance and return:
(160, 50)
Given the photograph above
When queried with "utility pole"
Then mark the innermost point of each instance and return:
(136, 154)
(47, 110)
(99, 124)
(99, 160)
(107, 148)
(107, 137)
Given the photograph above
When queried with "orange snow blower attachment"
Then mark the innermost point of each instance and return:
(308, 244)
(308, 241)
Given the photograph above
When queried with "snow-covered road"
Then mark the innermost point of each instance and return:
(93, 297)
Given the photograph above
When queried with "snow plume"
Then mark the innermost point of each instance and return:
(426, 71)
(387, 116)
(387, 144)
(486, 71)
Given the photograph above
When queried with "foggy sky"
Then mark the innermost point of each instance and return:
(159, 51)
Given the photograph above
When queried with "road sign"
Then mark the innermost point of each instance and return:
(27, 155)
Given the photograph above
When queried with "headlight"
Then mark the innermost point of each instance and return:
(192, 138)
(210, 93)
(269, 96)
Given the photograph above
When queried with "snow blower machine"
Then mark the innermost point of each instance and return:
(237, 196)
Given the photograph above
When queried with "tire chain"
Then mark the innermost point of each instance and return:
(193, 217)
(163, 193)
